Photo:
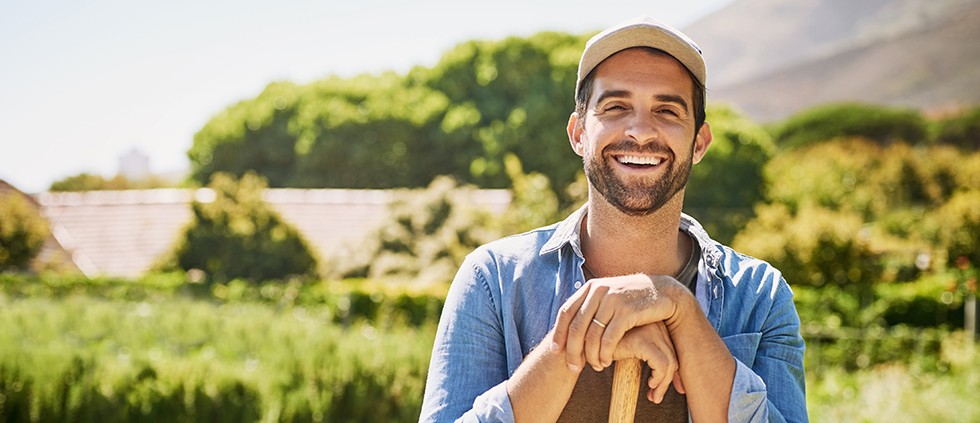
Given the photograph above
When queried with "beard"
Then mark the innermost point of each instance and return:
(639, 198)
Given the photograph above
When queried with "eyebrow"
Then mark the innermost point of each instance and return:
(676, 99)
(666, 98)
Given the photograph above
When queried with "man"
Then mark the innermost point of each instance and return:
(534, 323)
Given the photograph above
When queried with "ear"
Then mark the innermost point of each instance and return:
(701, 142)
(575, 134)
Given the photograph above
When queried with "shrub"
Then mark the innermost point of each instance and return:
(960, 231)
(22, 231)
(962, 130)
(426, 237)
(881, 124)
(856, 175)
(813, 246)
(534, 203)
(238, 235)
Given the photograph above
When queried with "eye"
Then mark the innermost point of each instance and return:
(613, 107)
(668, 111)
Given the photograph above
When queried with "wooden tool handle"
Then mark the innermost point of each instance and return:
(625, 391)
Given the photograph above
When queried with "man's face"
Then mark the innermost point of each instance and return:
(637, 137)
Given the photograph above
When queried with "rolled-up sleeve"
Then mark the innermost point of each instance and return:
(468, 371)
(772, 388)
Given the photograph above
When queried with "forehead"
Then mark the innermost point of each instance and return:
(638, 69)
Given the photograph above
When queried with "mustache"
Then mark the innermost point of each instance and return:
(630, 146)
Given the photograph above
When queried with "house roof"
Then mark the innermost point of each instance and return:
(123, 233)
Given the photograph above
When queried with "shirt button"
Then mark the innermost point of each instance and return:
(578, 284)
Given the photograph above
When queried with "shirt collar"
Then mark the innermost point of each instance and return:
(568, 232)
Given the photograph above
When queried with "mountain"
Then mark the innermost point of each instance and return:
(772, 58)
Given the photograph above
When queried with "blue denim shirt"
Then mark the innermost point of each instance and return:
(505, 299)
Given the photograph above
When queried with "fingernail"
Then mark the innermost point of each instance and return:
(573, 368)
(597, 369)
(555, 347)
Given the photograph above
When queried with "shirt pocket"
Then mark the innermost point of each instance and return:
(744, 346)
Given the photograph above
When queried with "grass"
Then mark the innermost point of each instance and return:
(80, 358)
(897, 393)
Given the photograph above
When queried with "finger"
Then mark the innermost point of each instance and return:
(657, 361)
(672, 365)
(593, 336)
(611, 337)
(577, 329)
(661, 372)
(679, 384)
(566, 314)
(596, 332)
(662, 383)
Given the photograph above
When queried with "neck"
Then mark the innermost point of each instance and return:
(617, 244)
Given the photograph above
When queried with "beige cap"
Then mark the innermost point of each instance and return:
(641, 32)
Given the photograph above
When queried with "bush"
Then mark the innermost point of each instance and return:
(349, 301)
(881, 124)
(925, 303)
(960, 230)
(425, 238)
(238, 235)
(91, 182)
(962, 130)
(813, 246)
(856, 175)
(534, 203)
(896, 189)
(22, 231)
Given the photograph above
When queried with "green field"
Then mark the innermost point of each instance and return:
(122, 352)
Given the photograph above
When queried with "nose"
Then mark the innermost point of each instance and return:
(641, 127)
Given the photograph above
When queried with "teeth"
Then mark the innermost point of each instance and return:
(637, 160)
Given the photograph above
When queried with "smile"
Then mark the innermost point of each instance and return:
(639, 160)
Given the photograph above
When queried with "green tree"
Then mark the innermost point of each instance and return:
(22, 231)
(238, 235)
(729, 181)
(512, 96)
(252, 135)
(372, 132)
(881, 124)
(482, 101)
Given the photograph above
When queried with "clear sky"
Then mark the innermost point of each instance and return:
(84, 82)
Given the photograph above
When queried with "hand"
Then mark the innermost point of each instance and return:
(620, 303)
(652, 345)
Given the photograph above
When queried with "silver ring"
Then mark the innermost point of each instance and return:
(601, 325)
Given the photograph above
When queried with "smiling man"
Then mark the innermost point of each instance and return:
(534, 323)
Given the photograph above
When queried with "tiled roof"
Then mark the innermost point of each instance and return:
(122, 233)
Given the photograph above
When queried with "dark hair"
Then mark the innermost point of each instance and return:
(584, 93)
